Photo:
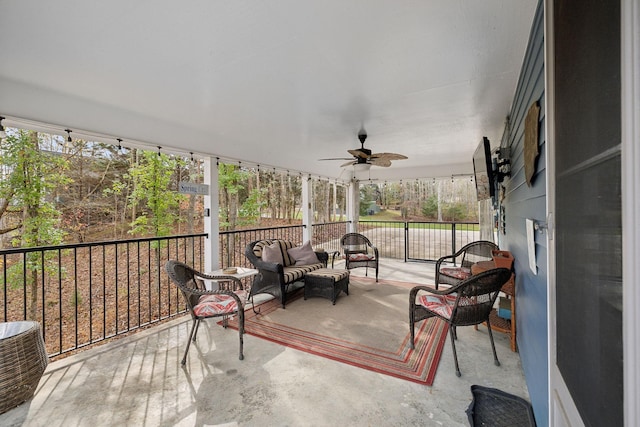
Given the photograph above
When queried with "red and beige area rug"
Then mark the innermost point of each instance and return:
(369, 328)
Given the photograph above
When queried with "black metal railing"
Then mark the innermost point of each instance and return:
(418, 241)
(85, 293)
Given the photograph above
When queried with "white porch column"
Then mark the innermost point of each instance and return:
(307, 209)
(211, 222)
(353, 205)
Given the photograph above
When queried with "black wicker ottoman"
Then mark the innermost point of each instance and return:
(326, 283)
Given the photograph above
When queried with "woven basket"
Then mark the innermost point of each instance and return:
(23, 359)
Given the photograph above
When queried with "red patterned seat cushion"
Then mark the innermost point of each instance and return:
(443, 304)
(211, 305)
(459, 273)
(361, 257)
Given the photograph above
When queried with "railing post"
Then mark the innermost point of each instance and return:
(453, 239)
(406, 241)
(211, 220)
(307, 210)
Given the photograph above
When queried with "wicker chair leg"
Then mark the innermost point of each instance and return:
(493, 346)
(453, 345)
(195, 333)
(412, 324)
(192, 337)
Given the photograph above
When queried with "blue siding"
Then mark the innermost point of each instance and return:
(522, 202)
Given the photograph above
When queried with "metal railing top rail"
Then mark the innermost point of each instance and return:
(99, 243)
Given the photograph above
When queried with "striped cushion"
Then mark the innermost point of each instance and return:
(216, 304)
(284, 246)
(330, 273)
(257, 248)
(293, 274)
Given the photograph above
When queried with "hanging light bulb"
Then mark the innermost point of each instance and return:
(68, 131)
(3, 134)
(119, 144)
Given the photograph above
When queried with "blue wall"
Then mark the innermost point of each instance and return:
(522, 202)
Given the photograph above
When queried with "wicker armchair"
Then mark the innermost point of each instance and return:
(468, 303)
(469, 254)
(227, 301)
(359, 252)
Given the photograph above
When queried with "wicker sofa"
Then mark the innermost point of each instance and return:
(276, 278)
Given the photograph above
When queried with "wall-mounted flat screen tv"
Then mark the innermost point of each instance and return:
(482, 167)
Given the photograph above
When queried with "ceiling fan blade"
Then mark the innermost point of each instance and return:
(338, 158)
(388, 156)
(352, 162)
(359, 153)
(385, 163)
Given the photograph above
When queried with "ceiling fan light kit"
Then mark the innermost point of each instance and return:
(362, 167)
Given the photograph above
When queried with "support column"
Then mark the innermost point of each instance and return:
(211, 222)
(307, 209)
(353, 205)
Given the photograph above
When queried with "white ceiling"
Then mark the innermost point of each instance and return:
(277, 83)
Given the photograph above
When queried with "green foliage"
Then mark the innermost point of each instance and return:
(34, 176)
(250, 209)
(430, 207)
(368, 193)
(153, 176)
(233, 183)
(453, 212)
(231, 178)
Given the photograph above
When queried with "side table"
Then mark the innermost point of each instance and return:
(241, 273)
(507, 326)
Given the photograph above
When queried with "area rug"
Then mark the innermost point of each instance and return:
(369, 328)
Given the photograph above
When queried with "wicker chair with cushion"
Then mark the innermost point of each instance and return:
(469, 254)
(359, 252)
(468, 303)
(228, 300)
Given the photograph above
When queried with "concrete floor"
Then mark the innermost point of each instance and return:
(138, 381)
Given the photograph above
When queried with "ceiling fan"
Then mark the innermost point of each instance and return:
(365, 156)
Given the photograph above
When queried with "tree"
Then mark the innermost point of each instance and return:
(33, 175)
(153, 176)
(368, 193)
(430, 207)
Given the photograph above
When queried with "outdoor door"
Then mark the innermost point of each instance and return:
(583, 70)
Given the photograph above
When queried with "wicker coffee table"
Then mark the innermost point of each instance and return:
(23, 359)
(326, 283)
